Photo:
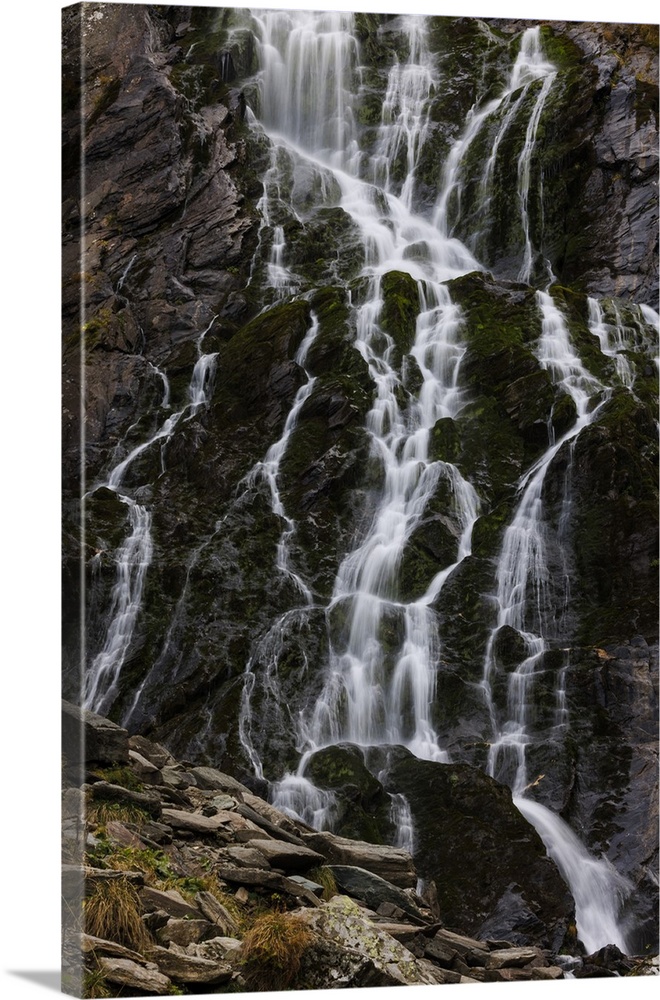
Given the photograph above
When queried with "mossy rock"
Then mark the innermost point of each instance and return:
(362, 804)
(398, 317)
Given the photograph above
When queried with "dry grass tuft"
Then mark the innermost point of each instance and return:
(272, 950)
(112, 912)
(325, 878)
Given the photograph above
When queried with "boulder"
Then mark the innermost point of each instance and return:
(463, 820)
(342, 922)
(89, 738)
(373, 890)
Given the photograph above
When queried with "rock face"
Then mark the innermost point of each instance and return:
(214, 524)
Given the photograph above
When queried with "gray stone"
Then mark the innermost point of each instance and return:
(89, 738)
(373, 890)
(154, 752)
(189, 969)
(289, 857)
(210, 777)
(513, 957)
(342, 921)
(547, 972)
(136, 977)
(218, 914)
(392, 863)
(183, 931)
(144, 769)
(248, 857)
(194, 822)
(217, 949)
(171, 901)
(175, 777)
(104, 791)
(88, 944)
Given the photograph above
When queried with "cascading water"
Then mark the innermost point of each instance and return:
(524, 604)
(133, 556)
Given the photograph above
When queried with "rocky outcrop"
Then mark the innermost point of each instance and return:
(193, 907)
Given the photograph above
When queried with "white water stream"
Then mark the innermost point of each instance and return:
(133, 556)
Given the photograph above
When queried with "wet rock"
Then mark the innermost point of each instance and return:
(458, 809)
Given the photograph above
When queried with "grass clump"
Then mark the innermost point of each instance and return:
(325, 878)
(112, 912)
(272, 950)
(99, 814)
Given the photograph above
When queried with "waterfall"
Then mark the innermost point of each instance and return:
(529, 67)
(368, 698)
(269, 468)
(523, 603)
(373, 695)
(133, 556)
(375, 681)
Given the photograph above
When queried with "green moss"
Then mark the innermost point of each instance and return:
(398, 316)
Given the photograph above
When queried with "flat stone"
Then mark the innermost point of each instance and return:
(89, 944)
(224, 801)
(175, 777)
(508, 975)
(269, 812)
(127, 973)
(144, 769)
(512, 958)
(183, 931)
(267, 879)
(171, 901)
(105, 791)
(195, 822)
(217, 949)
(218, 914)
(119, 834)
(392, 863)
(188, 968)
(547, 972)
(248, 857)
(242, 895)
(209, 777)
(154, 752)
(314, 887)
(289, 857)
(463, 945)
(374, 890)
